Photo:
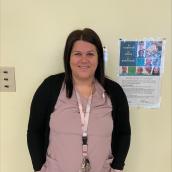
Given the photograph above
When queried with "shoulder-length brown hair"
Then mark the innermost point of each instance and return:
(90, 36)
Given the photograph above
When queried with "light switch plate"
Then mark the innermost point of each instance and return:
(7, 79)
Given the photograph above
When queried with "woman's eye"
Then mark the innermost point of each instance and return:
(77, 54)
(90, 54)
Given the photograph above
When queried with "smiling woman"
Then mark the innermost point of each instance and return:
(83, 61)
(83, 47)
(79, 120)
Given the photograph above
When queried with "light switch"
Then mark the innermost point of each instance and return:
(7, 79)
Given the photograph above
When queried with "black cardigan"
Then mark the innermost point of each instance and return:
(43, 104)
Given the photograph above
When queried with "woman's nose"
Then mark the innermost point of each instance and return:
(84, 57)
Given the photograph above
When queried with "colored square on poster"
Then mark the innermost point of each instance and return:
(140, 61)
(131, 70)
(128, 53)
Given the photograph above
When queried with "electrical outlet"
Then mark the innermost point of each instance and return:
(7, 79)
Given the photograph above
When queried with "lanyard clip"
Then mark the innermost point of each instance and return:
(84, 140)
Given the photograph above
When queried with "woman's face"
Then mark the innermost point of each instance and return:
(83, 60)
(139, 70)
(156, 70)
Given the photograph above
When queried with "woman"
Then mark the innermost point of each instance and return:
(79, 120)
(156, 70)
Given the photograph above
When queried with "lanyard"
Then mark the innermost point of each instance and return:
(84, 116)
(84, 121)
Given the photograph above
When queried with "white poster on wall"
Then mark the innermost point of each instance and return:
(141, 64)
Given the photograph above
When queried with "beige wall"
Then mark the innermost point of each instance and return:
(33, 34)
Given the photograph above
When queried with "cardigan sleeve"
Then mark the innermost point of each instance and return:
(37, 126)
(122, 132)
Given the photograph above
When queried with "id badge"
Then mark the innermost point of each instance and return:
(85, 167)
